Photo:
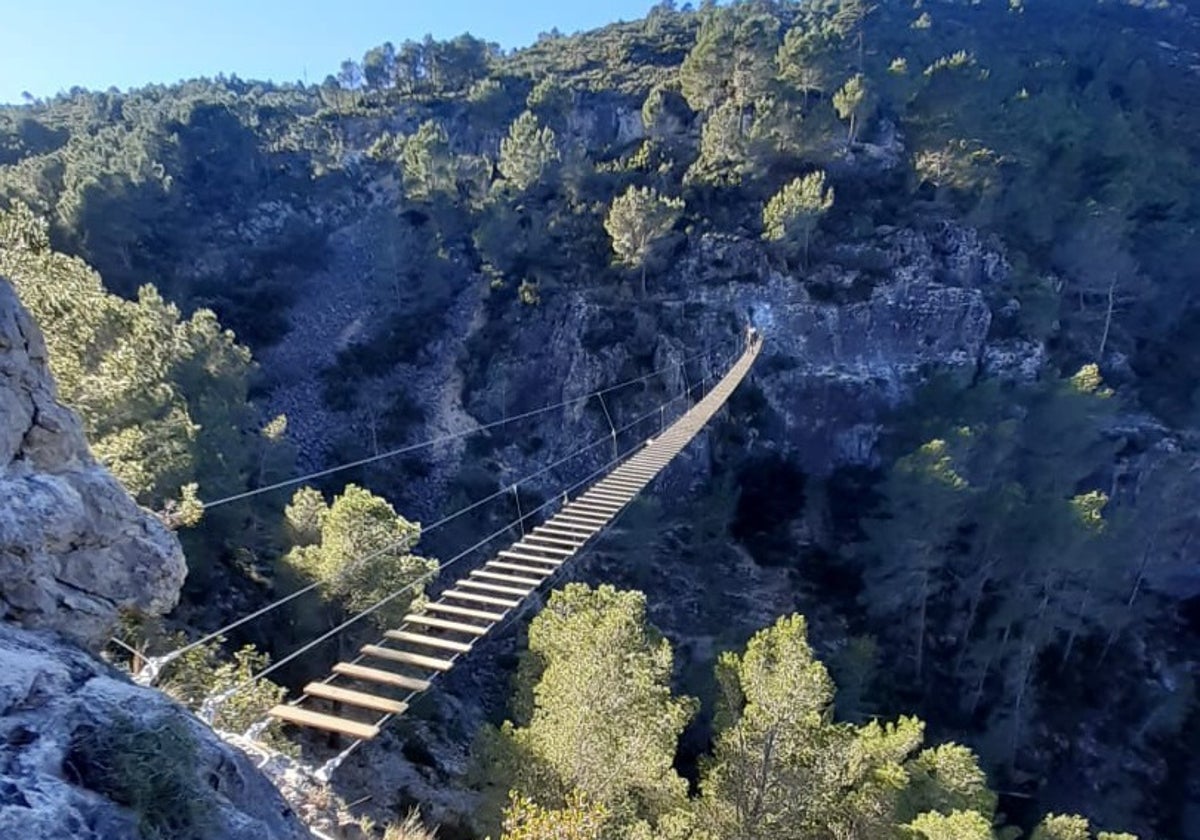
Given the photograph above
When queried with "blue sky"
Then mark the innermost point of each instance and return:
(50, 45)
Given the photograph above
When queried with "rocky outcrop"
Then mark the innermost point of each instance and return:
(845, 345)
(833, 372)
(157, 765)
(74, 547)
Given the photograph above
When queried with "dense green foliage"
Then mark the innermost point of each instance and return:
(205, 673)
(160, 397)
(986, 533)
(793, 212)
(995, 573)
(637, 221)
(359, 550)
(605, 725)
(149, 767)
(589, 763)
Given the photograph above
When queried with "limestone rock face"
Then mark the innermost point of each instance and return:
(74, 547)
(51, 695)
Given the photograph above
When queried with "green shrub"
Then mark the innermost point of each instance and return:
(150, 769)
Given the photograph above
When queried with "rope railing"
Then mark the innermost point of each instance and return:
(447, 438)
(211, 705)
(325, 772)
(153, 666)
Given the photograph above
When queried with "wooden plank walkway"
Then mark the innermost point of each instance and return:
(431, 641)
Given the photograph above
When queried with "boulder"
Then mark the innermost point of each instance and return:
(75, 549)
(88, 755)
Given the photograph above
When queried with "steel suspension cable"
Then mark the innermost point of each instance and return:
(155, 664)
(447, 438)
(431, 575)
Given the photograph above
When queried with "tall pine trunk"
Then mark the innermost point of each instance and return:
(1108, 316)
(972, 614)
(921, 616)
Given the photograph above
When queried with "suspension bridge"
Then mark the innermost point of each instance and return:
(387, 675)
(360, 696)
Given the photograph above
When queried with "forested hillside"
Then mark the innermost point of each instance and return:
(967, 232)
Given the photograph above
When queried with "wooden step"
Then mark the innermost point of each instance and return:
(376, 675)
(481, 599)
(604, 486)
(627, 481)
(594, 509)
(581, 530)
(491, 587)
(616, 478)
(605, 508)
(530, 543)
(568, 519)
(583, 517)
(633, 470)
(574, 538)
(608, 496)
(636, 468)
(510, 580)
(316, 720)
(622, 485)
(443, 624)
(428, 662)
(525, 554)
(427, 641)
(534, 536)
(337, 694)
(515, 567)
(605, 501)
(436, 606)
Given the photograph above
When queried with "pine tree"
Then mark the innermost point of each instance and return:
(602, 720)
(947, 779)
(924, 496)
(524, 819)
(792, 214)
(755, 43)
(528, 153)
(801, 62)
(379, 66)
(364, 554)
(426, 162)
(781, 769)
(550, 101)
(705, 75)
(637, 221)
(957, 825)
(849, 102)
(163, 399)
(724, 158)
(1061, 827)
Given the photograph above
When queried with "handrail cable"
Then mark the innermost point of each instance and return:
(325, 772)
(412, 447)
(616, 458)
(154, 664)
(216, 701)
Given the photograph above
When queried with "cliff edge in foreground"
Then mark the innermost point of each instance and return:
(84, 753)
(75, 549)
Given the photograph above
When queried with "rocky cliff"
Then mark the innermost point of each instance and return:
(84, 753)
(87, 755)
(845, 346)
(74, 547)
